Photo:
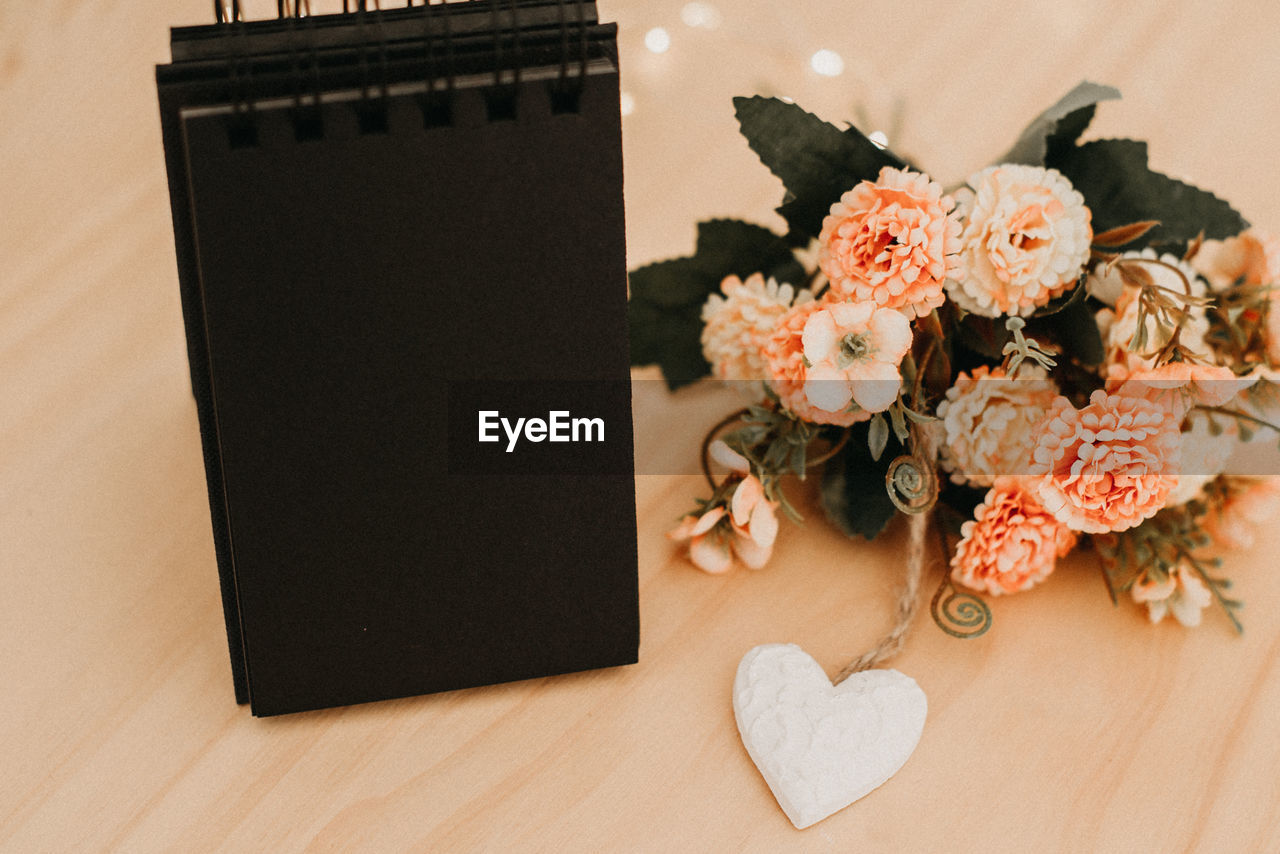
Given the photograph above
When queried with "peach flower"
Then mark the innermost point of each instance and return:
(1179, 387)
(1252, 258)
(1180, 593)
(1252, 503)
(746, 527)
(891, 242)
(1025, 241)
(1011, 544)
(737, 322)
(989, 422)
(853, 351)
(1106, 467)
(708, 547)
(788, 374)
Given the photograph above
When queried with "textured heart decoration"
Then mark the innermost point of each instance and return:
(819, 746)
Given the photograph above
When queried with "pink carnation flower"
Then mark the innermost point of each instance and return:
(738, 320)
(892, 242)
(1025, 241)
(1011, 544)
(853, 351)
(989, 422)
(1106, 467)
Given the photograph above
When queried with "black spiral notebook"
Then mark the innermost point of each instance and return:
(401, 256)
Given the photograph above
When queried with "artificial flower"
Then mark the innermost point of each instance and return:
(853, 351)
(708, 548)
(1251, 258)
(1179, 387)
(745, 527)
(891, 242)
(1011, 543)
(989, 420)
(788, 373)
(1025, 240)
(1250, 502)
(739, 319)
(754, 523)
(1108, 466)
(1119, 326)
(1180, 593)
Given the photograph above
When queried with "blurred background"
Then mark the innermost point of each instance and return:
(950, 83)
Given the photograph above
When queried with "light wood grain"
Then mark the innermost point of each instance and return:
(1068, 727)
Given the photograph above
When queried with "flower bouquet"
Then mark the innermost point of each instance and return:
(1063, 352)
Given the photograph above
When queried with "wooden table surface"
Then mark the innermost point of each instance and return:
(1069, 726)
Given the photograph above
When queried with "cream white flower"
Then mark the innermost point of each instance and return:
(1180, 593)
(1025, 240)
(1120, 325)
(989, 422)
(739, 320)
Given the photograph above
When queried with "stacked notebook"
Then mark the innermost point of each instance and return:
(400, 248)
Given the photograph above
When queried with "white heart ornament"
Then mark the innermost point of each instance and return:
(819, 746)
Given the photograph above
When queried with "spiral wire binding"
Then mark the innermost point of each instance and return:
(436, 104)
(226, 12)
(564, 99)
(242, 132)
(437, 110)
(372, 119)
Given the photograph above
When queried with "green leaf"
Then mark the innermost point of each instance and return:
(877, 436)
(1060, 125)
(853, 486)
(731, 247)
(1075, 328)
(1119, 189)
(816, 161)
(665, 312)
(1070, 298)
(983, 335)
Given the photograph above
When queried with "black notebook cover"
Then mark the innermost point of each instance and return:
(358, 294)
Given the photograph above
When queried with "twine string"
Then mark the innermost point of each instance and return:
(924, 457)
(905, 607)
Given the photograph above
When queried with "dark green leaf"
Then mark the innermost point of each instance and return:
(1060, 125)
(1067, 300)
(1070, 128)
(816, 161)
(731, 247)
(983, 335)
(1075, 328)
(853, 486)
(665, 312)
(1120, 189)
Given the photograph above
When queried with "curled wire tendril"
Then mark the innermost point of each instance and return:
(958, 613)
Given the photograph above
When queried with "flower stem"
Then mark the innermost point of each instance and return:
(1241, 416)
